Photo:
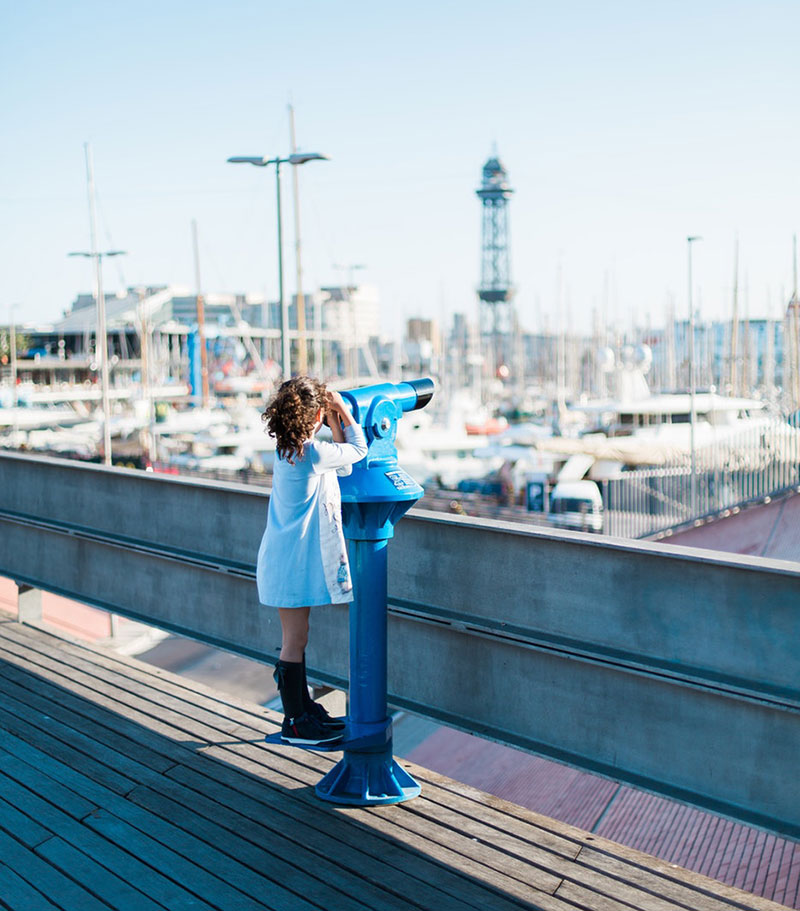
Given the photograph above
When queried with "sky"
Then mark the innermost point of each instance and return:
(624, 127)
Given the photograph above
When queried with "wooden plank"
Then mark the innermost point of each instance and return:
(650, 872)
(59, 748)
(48, 698)
(483, 872)
(337, 900)
(506, 870)
(515, 854)
(616, 880)
(99, 703)
(225, 704)
(587, 898)
(154, 884)
(114, 890)
(383, 862)
(16, 765)
(386, 822)
(558, 837)
(22, 827)
(126, 677)
(59, 889)
(73, 676)
(18, 895)
(94, 790)
(682, 886)
(705, 890)
(269, 864)
(444, 842)
(193, 874)
(293, 842)
(417, 826)
(226, 867)
(514, 857)
(99, 743)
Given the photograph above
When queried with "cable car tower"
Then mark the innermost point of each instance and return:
(495, 291)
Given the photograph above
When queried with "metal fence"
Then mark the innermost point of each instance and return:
(731, 471)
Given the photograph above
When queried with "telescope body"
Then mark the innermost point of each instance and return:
(375, 496)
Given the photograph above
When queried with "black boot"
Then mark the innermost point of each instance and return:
(315, 710)
(298, 725)
(289, 677)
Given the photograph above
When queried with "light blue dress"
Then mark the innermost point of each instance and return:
(302, 560)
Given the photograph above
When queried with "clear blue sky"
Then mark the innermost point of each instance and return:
(624, 126)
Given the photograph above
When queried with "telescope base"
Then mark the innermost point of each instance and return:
(367, 780)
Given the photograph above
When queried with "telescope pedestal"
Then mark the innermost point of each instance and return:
(368, 774)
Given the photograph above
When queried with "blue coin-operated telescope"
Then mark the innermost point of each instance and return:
(374, 497)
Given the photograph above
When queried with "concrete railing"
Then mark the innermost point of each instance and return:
(671, 668)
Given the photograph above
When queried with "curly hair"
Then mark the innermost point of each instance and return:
(292, 413)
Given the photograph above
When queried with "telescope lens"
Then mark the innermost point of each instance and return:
(424, 389)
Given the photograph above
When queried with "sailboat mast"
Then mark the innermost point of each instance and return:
(101, 337)
(201, 319)
(302, 353)
(735, 320)
(794, 323)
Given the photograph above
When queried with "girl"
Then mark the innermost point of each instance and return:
(302, 561)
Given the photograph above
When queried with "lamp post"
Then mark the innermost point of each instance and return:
(692, 407)
(296, 158)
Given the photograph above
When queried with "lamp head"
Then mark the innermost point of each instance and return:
(258, 160)
(303, 157)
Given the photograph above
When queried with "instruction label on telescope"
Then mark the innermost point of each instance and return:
(400, 479)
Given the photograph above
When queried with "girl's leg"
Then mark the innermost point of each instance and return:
(294, 631)
(289, 669)
(298, 726)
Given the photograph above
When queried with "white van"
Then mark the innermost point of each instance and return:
(576, 505)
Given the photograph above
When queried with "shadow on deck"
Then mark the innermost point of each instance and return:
(125, 787)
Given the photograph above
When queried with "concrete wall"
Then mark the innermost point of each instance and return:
(671, 668)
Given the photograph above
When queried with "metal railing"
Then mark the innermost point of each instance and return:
(730, 472)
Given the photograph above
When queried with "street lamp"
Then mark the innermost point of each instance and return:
(297, 158)
(101, 343)
(692, 408)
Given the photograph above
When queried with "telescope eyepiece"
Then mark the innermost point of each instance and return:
(424, 389)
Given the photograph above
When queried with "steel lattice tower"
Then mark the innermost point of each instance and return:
(495, 291)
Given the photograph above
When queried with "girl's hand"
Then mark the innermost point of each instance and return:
(336, 404)
(338, 408)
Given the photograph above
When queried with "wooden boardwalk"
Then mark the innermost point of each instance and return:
(125, 787)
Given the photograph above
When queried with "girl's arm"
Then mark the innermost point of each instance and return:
(349, 444)
(338, 408)
(334, 419)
